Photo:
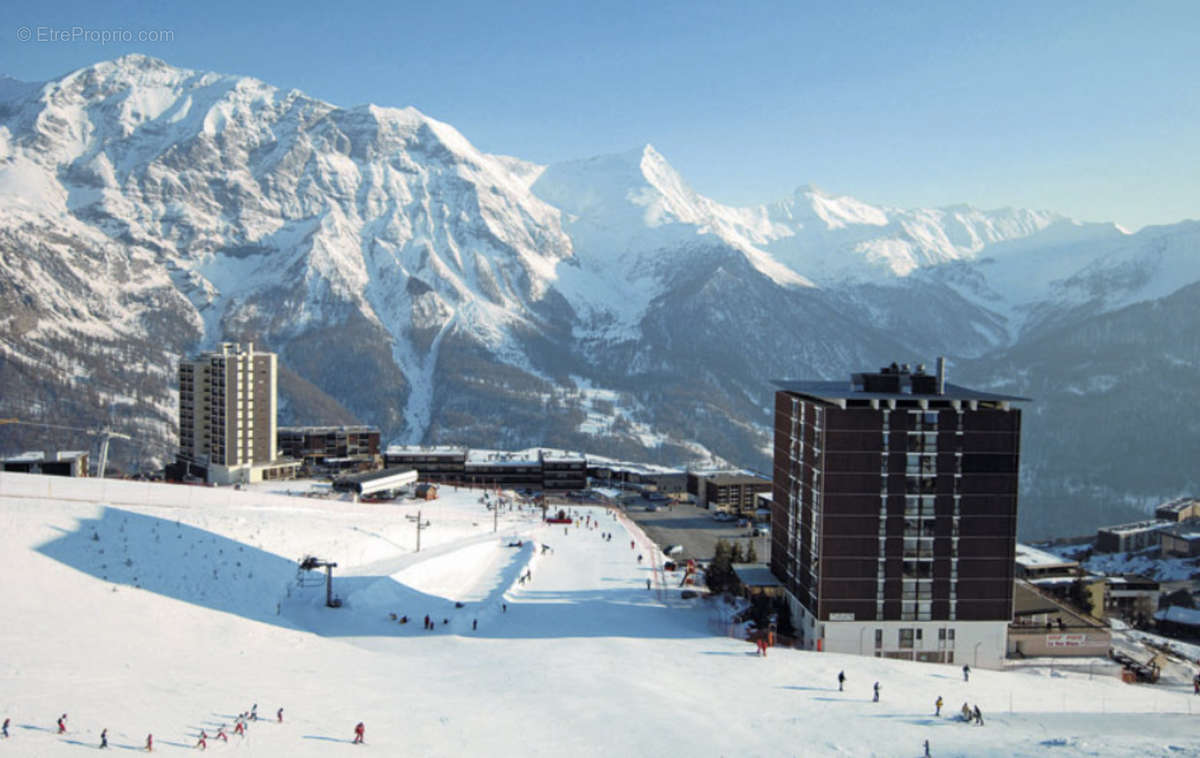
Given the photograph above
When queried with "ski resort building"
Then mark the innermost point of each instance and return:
(894, 515)
(331, 448)
(62, 463)
(1129, 538)
(526, 469)
(732, 491)
(1180, 509)
(227, 406)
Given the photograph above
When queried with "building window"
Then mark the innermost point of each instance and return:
(878, 639)
(906, 638)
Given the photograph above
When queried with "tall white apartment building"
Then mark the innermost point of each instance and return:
(227, 406)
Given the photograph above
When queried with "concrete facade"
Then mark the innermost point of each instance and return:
(894, 513)
(228, 400)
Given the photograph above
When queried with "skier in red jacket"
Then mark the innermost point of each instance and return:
(359, 729)
(62, 723)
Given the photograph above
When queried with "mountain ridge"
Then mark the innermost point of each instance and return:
(449, 295)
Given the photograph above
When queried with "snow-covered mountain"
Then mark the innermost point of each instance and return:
(409, 280)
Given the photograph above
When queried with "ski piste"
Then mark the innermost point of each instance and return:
(162, 646)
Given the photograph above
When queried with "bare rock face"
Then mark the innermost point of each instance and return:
(447, 295)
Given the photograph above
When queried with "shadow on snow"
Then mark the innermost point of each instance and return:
(200, 567)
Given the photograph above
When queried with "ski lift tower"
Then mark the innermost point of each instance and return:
(311, 563)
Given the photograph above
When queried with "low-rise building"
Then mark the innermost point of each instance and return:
(664, 479)
(1179, 509)
(62, 463)
(563, 470)
(536, 468)
(732, 491)
(1181, 540)
(434, 463)
(1131, 595)
(331, 447)
(1178, 621)
(1043, 625)
(1033, 563)
(386, 480)
(1129, 538)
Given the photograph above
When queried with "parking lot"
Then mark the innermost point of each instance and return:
(695, 529)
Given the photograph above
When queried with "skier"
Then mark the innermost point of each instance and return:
(4, 729)
(639, 557)
(279, 716)
(427, 624)
(966, 713)
(203, 743)
(474, 624)
(254, 712)
(876, 699)
(978, 716)
(1196, 684)
(239, 728)
(647, 584)
(966, 672)
(504, 607)
(221, 734)
(358, 733)
(938, 705)
(149, 743)
(841, 680)
(62, 723)
(103, 738)
(926, 748)
(631, 544)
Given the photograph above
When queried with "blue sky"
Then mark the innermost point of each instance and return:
(1091, 109)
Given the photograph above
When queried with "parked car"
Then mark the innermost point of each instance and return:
(723, 516)
(762, 530)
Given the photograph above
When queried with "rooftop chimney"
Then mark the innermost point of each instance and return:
(941, 375)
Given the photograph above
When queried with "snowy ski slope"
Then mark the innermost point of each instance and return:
(174, 617)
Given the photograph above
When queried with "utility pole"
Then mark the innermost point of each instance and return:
(420, 525)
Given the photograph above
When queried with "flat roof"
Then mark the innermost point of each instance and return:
(502, 458)
(1178, 504)
(756, 575)
(426, 450)
(1179, 615)
(370, 476)
(600, 461)
(29, 456)
(1185, 530)
(719, 479)
(356, 428)
(1032, 557)
(832, 392)
(1137, 526)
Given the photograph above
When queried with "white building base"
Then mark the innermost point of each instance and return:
(981, 644)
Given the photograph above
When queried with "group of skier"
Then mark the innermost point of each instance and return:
(202, 744)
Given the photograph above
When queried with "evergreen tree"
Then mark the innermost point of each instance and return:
(751, 553)
(720, 570)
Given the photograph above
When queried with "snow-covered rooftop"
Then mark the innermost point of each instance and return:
(1033, 558)
(1137, 526)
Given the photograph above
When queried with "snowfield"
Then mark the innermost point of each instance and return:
(175, 617)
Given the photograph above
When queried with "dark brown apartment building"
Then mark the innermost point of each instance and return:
(895, 513)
